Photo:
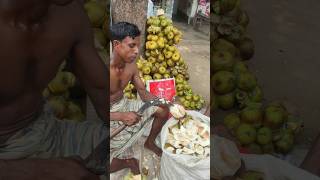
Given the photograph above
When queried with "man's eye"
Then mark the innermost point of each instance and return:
(131, 45)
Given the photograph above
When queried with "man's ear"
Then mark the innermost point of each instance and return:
(115, 43)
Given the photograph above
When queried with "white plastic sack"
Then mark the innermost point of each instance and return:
(183, 167)
(225, 156)
(275, 168)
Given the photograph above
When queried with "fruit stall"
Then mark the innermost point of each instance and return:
(64, 93)
(162, 58)
(254, 93)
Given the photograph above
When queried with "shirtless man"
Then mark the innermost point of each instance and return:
(36, 36)
(126, 42)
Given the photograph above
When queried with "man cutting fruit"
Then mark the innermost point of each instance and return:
(123, 69)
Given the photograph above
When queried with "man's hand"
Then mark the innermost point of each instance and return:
(50, 169)
(130, 118)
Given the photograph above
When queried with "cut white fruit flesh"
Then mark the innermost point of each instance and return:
(177, 111)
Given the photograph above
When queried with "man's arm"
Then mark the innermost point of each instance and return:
(141, 88)
(89, 68)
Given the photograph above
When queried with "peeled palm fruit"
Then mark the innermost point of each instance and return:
(177, 111)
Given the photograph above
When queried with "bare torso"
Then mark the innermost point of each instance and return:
(29, 60)
(119, 80)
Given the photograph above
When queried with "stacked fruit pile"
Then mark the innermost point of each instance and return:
(257, 127)
(232, 82)
(270, 129)
(98, 15)
(163, 60)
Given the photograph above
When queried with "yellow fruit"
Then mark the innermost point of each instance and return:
(170, 35)
(147, 53)
(139, 65)
(186, 104)
(164, 64)
(171, 48)
(154, 53)
(166, 76)
(168, 29)
(162, 70)
(170, 42)
(151, 45)
(154, 38)
(146, 70)
(149, 37)
(157, 76)
(148, 64)
(151, 59)
(170, 63)
(61, 82)
(147, 77)
(176, 56)
(177, 39)
(160, 42)
(168, 55)
(160, 58)
(154, 69)
(175, 31)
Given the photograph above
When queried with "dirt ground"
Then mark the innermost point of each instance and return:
(195, 50)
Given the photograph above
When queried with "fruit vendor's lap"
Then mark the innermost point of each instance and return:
(49, 137)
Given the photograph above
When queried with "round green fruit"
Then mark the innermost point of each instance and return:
(223, 82)
(232, 121)
(264, 136)
(246, 134)
(226, 101)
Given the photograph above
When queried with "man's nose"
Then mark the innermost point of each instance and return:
(136, 50)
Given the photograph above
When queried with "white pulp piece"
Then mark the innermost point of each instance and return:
(177, 111)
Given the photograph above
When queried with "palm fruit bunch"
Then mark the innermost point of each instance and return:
(233, 83)
(257, 126)
(270, 129)
(163, 60)
(130, 92)
(57, 95)
(97, 11)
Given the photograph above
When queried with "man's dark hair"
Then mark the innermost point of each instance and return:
(121, 30)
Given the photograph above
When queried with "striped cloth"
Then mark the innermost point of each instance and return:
(48, 137)
(121, 144)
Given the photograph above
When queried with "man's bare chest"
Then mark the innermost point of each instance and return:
(118, 81)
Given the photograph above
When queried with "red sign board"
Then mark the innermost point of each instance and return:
(163, 88)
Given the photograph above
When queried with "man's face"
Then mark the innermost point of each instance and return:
(128, 48)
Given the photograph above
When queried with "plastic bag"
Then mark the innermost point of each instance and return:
(184, 167)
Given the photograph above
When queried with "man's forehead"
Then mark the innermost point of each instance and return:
(129, 39)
